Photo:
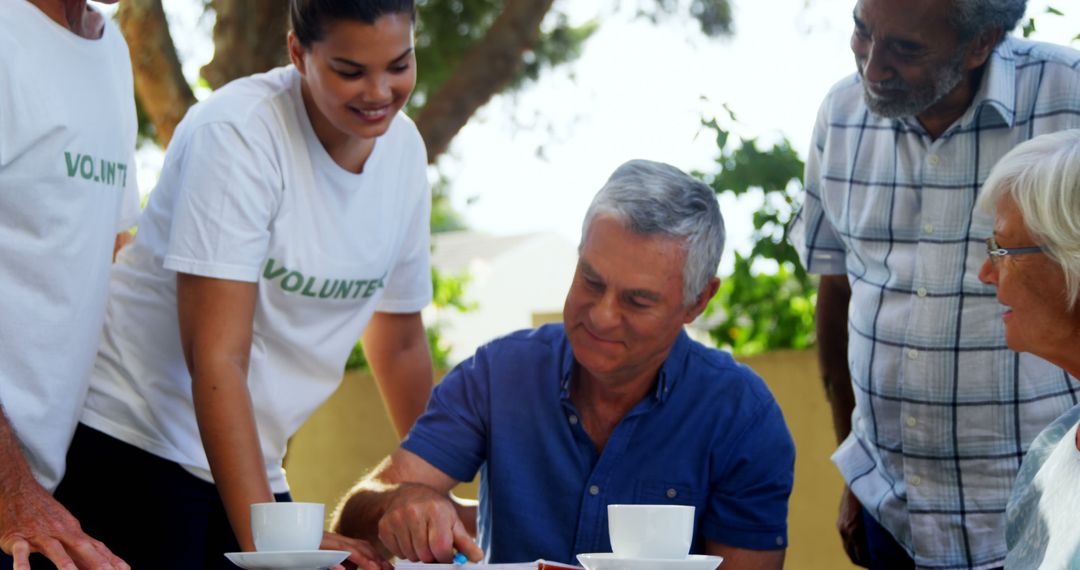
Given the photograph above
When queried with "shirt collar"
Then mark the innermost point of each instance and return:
(672, 368)
(567, 368)
(667, 377)
(998, 89)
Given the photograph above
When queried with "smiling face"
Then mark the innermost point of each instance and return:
(908, 55)
(1032, 289)
(625, 306)
(357, 77)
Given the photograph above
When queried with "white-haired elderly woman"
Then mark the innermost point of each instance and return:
(1034, 261)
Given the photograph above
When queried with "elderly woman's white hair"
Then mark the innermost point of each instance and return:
(1042, 176)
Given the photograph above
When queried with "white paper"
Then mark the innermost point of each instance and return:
(514, 566)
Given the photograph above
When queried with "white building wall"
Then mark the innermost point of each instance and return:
(509, 289)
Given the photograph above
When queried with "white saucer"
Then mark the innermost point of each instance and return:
(608, 561)
(288, 560)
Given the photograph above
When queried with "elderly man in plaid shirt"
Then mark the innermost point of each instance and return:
(933, 411)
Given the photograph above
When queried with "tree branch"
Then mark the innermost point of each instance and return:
(488, 67)
(160, 86)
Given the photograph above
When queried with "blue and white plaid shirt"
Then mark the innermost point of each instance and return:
(944, 410)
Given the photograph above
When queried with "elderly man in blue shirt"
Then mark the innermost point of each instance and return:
(615, 405)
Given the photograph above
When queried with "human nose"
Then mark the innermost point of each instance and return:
(872, 57)
(988, 271)
(378, 88)
(605, 311)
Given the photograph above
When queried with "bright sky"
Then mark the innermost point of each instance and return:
(639, 91)
(531, 161)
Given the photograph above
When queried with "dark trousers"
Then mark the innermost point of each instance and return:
(885, 552)
(147, 510)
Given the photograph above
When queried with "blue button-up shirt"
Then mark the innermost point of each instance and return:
(710, 435)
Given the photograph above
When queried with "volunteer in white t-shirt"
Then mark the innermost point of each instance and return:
(67, 187)
(291, 218)
(1033, 260)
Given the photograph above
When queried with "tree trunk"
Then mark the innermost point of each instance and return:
(249, 37)
(159, 81)
(486, 69)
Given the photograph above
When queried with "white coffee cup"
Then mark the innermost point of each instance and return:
(651, 531)
(278, 527)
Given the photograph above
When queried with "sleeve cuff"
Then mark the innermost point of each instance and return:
(215, 270)
(413, 305)
(439, 455)
(767, 539)
(826, 262)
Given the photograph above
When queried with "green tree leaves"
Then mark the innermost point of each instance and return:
(767, 302)
(449, 292)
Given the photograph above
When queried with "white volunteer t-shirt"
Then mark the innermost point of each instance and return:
(67, 186)
(248, 193)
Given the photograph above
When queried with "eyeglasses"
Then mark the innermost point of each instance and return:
(993, 251)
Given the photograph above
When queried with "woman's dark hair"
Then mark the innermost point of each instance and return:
(308, 18)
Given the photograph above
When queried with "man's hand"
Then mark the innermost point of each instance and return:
(852, 531)
(422, 524)
(31, 520)
(361, 553)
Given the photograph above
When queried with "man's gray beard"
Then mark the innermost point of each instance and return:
(917, 100)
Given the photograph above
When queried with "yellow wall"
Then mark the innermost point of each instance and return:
(351, 433)
(794, 379)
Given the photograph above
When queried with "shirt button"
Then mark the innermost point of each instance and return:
(594, 490)
(915, 480)
(573, 420)
(933, 159)
(911, 421)
(913, 354)
(779, 541)
(672, 493)
(921, 291)
(928, 228)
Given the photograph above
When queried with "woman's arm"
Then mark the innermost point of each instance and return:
(396, 347)
(215, 329)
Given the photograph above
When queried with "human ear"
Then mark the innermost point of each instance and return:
(981, 47)
(296, 52)
(698, 306)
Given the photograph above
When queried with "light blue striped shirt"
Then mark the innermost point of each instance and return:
(944, 410)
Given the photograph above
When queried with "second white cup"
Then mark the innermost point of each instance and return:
(651, 531)
(278, 527)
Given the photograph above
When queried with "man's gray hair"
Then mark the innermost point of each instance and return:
(652, 198)
(973, 17)
(1042, 176)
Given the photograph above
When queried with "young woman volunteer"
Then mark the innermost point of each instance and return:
(291, 217)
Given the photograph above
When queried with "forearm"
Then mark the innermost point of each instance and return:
(406, 387)
(745, 559)
(230, 437)
(359, 513)
(122, 239)
(397, 349)
(401, 477)
(15, 474)
(31, 520)
(215, 317)
(834, 294)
